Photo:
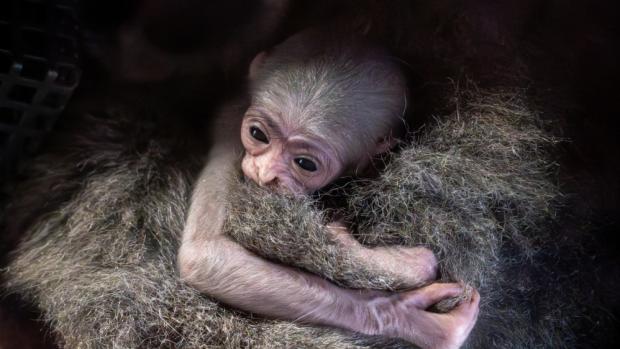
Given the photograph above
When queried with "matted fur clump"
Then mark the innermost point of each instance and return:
(477, 187)
(476, 180)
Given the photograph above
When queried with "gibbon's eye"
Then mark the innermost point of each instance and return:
(257, 134)
(306, 164)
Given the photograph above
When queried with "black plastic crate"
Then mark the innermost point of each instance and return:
(38, 73)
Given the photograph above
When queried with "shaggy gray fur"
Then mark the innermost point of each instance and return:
(101, 264)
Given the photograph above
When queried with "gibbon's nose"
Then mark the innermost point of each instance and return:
(267, 174)
(268, 179)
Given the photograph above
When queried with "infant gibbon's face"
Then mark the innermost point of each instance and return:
(287, 157)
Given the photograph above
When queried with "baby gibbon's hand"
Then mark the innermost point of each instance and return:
(412, 266)
(405, 315)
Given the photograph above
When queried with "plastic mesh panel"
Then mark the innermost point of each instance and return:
(38, 73)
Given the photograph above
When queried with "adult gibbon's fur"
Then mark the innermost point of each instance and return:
(102, 265)
(99, 261)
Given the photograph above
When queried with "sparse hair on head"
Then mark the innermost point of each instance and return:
(339, 87)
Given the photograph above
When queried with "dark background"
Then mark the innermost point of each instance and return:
(192, 54)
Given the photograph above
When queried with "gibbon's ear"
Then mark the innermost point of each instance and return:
(385, 144)
(257, 63)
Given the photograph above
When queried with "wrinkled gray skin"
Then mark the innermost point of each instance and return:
(99, 257)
